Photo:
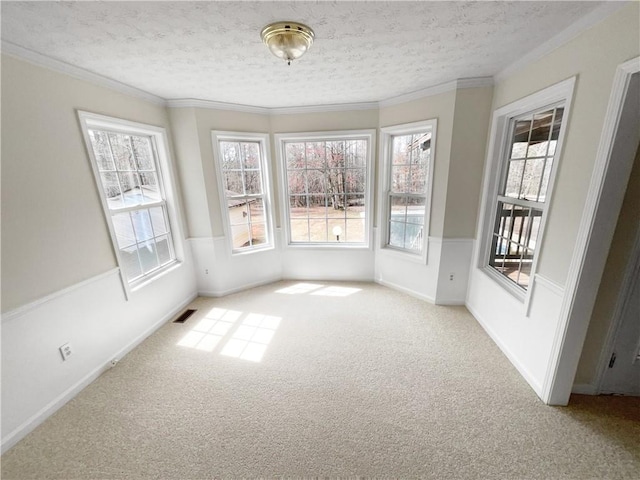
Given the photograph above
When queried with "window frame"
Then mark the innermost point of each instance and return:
(384, 197)
(369, 135)
(560, 94)
(166, 186)
(262, 139)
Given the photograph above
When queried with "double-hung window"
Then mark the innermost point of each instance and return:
(326, 178)
(528, 156)
(130, 161)
(407, 151)
(243, 182)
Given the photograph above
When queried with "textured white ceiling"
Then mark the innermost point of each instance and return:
(363, 51)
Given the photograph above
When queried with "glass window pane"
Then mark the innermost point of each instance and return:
(121, 149)
(158, 220)
(396, 234)
(336, 206)
(233, 182)
(230, 155)
(111, 188)
(416, 210)
(252, 182)
(258, 233)
(315, 181)
(101, 150)
(535, 228)
(546, 175)
(514, 178)
(130, 183)
(413, 237)
(357, 154)
(257, 210)
(143, 153)
(163, 246)
(525, 269)
(142, 225)
(148, 257)
(418, 179)
(337, 230)
(149, 187)
(336, 154)
(540, 133)
(317, 205)
(520, 223)
(240, 235)
(298, 206)
(555, 133)
(355, 180)
(237, 210)
(400, 179)
(318, 230)
(398, 208)
(520, 138)
(299, 231)
(531, 179)
(297, 181)
(251, 155)
(400, 150)
(123, 229)
(295, 157)
(130, 262)
(315, 154)
(354, 232)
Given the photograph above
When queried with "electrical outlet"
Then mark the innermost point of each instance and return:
(451, 277)
(206, 271)
(66, 351)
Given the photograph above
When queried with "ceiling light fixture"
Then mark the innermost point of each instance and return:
(287, 40)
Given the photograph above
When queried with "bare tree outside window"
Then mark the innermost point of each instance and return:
(326, 188)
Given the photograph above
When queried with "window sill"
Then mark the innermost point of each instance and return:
(508, 285)
(251, 251)
(321, 246)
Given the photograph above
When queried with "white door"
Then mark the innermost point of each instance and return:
(623, 374)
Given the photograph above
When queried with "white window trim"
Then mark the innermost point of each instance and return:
(367, 134)
(498, 138)
(384, 188)
(263, 140)
(167, 185)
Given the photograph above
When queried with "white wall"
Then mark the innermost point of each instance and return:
(60, 281)
(527, 336)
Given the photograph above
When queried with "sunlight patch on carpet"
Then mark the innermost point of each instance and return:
(336, 291)
(251, 339)
(300, 288)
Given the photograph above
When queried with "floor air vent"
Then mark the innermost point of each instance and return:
(183, 318)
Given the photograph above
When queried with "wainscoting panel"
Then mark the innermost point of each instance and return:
(100, 325)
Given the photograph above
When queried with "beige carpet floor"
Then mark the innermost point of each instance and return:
(338, 380)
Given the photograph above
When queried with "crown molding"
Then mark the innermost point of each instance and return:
(234, 107)
(342, 107)
(591, 19)
(41, 60)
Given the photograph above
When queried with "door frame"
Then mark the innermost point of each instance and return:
(631, 276)
(606, 192)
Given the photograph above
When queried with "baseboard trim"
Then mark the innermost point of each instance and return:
(584, 389)
(533, 383)
(406, 290)
(223, 293)
(34, 421)
(450, 303)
